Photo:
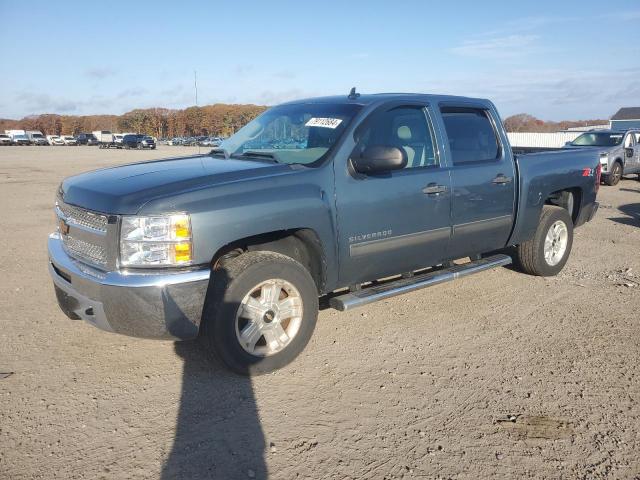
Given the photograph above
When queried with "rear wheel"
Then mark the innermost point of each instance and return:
(548, 251)
(260, 312)
(614, 176)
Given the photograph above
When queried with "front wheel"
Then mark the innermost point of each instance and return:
(547, 252)
(614, 177)
(260, 312)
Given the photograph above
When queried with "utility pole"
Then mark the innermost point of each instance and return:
(195, 87)
(195, 84)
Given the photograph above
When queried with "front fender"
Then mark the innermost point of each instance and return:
(224, 214)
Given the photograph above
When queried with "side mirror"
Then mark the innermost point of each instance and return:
(628, 152)
(380, 158)
(567, 144)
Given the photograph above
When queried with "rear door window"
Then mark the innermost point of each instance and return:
(471, 135)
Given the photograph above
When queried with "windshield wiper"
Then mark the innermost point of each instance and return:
(220, 151)
(257, 154)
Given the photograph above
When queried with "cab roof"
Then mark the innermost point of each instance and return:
(371, 98)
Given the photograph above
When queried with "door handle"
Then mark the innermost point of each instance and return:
(434, 189)
(501, 179)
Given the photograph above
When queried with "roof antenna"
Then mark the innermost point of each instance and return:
(353, 94)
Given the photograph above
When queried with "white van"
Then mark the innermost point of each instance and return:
(36, 137)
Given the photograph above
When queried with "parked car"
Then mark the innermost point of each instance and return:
(5, 139)
(20, 139)
(69, 140)
(211, 142)
(619, 152)
(148, 142)
(36, 138)
(117, 139)
(384, 194)
(87, 139)
(138, 141)
(54, 140)
(176, 141)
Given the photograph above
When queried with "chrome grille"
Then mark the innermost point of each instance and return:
(85, 250)
(84, 218)
(88, 236)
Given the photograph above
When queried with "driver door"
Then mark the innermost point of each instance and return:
(396, 221)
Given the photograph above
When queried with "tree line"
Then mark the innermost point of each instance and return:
(210, 120)
(523, 122)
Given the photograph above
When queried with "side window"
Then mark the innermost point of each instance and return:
(628, 141)
(472, 138)
(408, 128)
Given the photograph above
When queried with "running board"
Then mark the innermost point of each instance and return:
(374, 293)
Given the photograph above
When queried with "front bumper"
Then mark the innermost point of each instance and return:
(149, 305)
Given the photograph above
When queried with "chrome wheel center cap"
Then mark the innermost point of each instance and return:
(269, 316)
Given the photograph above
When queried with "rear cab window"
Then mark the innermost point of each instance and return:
(471, 134)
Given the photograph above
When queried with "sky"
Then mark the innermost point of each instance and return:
(552, 59)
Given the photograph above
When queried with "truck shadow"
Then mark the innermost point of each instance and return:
(632, 212)
(218, 432)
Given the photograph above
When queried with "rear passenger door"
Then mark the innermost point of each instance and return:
(483, 179)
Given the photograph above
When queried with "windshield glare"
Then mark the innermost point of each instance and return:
(593, 139)
(293, 134)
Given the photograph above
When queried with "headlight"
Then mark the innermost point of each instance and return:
(155, 241)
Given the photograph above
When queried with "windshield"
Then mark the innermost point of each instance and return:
(37, 135)
(293, 134)
(598, 139)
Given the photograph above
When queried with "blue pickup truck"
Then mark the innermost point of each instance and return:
(331, 202)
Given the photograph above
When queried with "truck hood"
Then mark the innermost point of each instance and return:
(125, 189)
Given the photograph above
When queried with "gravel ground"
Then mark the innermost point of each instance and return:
(496, 375)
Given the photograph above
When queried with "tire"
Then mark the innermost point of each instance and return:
(614, 176)
(231, 289)
(530, 255)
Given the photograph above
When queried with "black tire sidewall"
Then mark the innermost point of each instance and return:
(228, 295)
(611, 180)
(542, 266)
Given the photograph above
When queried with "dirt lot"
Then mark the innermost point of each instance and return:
(497, 375)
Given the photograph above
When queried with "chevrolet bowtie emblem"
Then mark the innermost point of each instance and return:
(64, 227)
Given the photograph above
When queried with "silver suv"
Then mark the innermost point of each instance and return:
(619, 152)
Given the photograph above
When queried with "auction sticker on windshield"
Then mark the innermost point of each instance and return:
(323, 122)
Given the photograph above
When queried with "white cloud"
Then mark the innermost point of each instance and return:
(99, 73)
(628, 16)
(271, 97)
(44, 103)
(551, 94)
(497, 47)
